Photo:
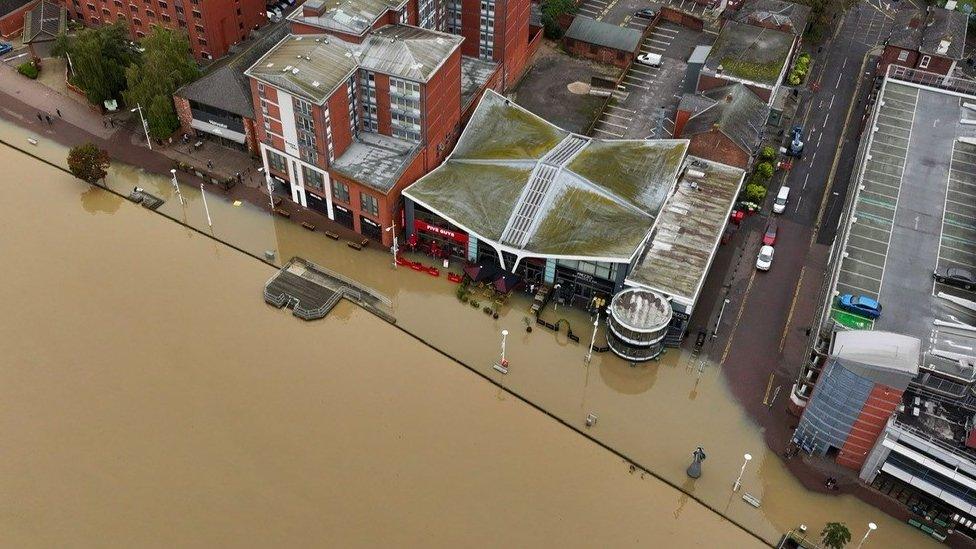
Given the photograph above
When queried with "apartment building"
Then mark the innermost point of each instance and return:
(494, 31)
(344, 126)
(213, 26)
(933, 40)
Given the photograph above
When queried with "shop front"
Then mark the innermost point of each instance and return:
(317, 203)
(343, 216)
(579, 282)
(440, 241)
(370, 228)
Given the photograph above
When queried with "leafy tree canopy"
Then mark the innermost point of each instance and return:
(835, 535)
(88, 163)
(165, 66)
(98, 58)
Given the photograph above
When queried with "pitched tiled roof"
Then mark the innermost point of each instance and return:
(8, 6)
(591, 31)
(44, 22)
(776, 13)
(935, 31)
(734, 110)
(225, 86)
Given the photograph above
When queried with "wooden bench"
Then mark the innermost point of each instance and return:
(282, 213)
(363, 243)
(354, 245)
(332, 235)
(308, 225)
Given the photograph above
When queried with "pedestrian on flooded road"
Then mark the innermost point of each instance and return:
(210, 164)
(48, 118)
(39, 117)
(59, 113)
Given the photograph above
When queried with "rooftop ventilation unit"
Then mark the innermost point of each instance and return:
(294, 71)
(316, 83)
(286, 69)
(694, 174)
(943, 47)
(270, 65)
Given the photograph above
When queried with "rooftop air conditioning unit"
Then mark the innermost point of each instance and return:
(695, 174)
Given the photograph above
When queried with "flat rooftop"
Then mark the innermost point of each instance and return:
(474, 75)
(750, 53)
(376, 159)
(348, 16)
(914, 211)
(680, 251)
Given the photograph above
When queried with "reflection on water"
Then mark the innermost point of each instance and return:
(96, 200)
(655, 414)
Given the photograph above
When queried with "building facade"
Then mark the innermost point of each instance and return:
(213, 26)
(12, 17)
(932, 40)
(343, 127)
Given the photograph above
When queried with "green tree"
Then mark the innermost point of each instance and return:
(835, 535)
(764, 170)
(767, 153)
(551, 11)
(98, 58)
(165, 66)
(755, 193)
(88, 163)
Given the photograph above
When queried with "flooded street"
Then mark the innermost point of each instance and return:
(152, 398)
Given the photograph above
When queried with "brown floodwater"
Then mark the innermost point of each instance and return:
(208, 323)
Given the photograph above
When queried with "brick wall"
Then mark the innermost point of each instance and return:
(512, 38)
(715, 145)
(12, 24)
(866, 429)
(602, 54)
(442, 111)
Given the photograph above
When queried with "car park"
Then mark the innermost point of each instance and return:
(769, 235)
(646, 13)
(954, 276)
(765, 259)
(860, 304)
(782, 197)
(649, 59)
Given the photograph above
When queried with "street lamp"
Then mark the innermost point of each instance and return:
(502, 365)
(596, 324)
(176, 187)
(871, 528)
(393, 248)
(205, 207)
(145, 126)
(555, 292)
(738, 481)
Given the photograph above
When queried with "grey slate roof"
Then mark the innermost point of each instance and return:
(935, 31)
(734, 110)
(751, 53)
(313, 66)
(348, 16)
(775, 12)
(591, 31)
(44, 22)
(225, 85)
(8, 6)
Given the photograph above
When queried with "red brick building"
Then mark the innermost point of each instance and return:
(933, 40)
(213, 26)
(344, 126)
(723, 124)
(12, 17)
(603, 42)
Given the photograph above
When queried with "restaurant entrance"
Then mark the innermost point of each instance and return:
(440, 241)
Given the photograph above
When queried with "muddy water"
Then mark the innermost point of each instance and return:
(655, 414)
(149, 398)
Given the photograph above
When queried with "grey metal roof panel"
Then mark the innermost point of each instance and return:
(883, 356)
(225, 85)
(586, 29)
(347, 16)
(407, 52)
(734, 110)
(775, 12)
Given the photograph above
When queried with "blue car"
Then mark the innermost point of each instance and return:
(5, 48)
(861, 305)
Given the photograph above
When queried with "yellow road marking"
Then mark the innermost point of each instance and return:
(789, 318)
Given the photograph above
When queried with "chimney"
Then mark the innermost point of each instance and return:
(313, 8)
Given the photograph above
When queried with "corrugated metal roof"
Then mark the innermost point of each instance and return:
(591, 31)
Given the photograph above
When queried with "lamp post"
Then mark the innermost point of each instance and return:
(596, 324)
(394, 248)
(871, 528)
(555, 292)
(502, 365)
(738, 481)
(719, 319)
(145, 126)
(176, 187)
(205, 207)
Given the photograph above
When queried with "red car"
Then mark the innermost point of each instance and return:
(769, 236)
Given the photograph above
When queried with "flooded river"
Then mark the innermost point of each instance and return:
(150, 384)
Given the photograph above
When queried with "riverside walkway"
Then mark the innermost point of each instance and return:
(311, 291)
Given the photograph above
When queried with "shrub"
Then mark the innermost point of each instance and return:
(755, 193)
(475, 304)
(764, 170)
(757, 180)
(29, 69)
(767, 153)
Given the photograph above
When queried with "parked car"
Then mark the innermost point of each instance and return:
(5, 48)
(782, 197)
(649, 59)
(646, 13)
(769, 235)
(765, 259)
(954, 276)
(796, 142)
(860, 304)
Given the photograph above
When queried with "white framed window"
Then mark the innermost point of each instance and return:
(924, 63)
(903, 55)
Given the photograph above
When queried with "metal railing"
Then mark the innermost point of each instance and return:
(933, 80)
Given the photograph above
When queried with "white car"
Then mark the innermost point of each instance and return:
(765, 259)
(649, 59)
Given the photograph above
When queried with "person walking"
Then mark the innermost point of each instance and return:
(59, 113)
(40, 118)
(104, 123)
(48, 118)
